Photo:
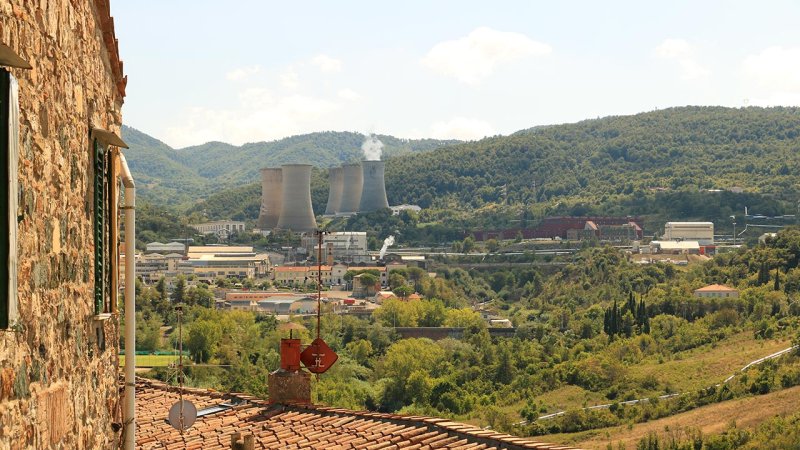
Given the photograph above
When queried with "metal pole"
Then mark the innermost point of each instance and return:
(130, 306)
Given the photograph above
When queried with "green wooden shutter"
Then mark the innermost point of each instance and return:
(99, 226)
(5, 244)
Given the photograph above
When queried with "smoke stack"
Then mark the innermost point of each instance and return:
(373, 192)
(271, 196)
(297, 214)
(352, 179)
(335, 193)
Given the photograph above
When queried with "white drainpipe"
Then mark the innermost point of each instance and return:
(129, 430)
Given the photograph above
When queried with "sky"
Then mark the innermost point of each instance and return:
(243, 71)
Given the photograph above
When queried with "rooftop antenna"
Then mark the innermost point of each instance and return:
(183, 413)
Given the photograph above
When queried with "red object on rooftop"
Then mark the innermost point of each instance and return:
(318, 357)
(290, 354)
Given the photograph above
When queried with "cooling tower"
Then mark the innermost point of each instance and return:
(271, 195)
(296, 211)
(373, 192)
(352, 179)
(335, 193)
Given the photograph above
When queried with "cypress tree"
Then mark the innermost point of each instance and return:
(777, 280)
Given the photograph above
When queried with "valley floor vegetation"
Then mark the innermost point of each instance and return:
(596, 330)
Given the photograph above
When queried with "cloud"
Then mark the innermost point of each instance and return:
(259, 115)
(685, 55)
(349, 95)
(777, 68)
(327, 64)
(462, 128)
(290, 79)
(473, 58)
(242, 73)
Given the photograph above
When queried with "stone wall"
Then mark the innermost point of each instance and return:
(58, 385)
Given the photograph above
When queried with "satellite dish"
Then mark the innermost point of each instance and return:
(189, 415)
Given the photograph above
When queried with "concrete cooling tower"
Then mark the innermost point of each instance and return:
(335, 193)
(296, 211)
(373, 193)
(352, 178)
(271, 196)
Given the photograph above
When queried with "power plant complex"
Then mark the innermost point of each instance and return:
(286, 194)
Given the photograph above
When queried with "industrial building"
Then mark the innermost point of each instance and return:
(206, 263)
(341, 246)
(219, 227)
(606, 228)
(172, 247)
(702, 232)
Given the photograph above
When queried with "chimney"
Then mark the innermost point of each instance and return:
(297, 213)
(290, 383)
(335, 192)
(239, 443)
(329, 249)
(373, 193)
(352, 180)
(271, 196)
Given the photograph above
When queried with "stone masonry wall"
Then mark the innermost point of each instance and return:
(58, 387)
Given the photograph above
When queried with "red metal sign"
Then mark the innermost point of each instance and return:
(318, 357)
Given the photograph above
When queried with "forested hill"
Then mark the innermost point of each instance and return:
(678, 148)
(659, 164)
(181, 177)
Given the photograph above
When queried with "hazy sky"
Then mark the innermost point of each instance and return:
(243, 71)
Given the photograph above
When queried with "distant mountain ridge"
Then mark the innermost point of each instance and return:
(181, 177)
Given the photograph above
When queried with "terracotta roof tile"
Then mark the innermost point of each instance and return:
(302, 426)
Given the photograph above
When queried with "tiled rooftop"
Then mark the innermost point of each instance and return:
(302, 426)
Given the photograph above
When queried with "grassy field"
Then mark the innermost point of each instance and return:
(712, 419)
(709, 364)
(690, 370)
(152, 360)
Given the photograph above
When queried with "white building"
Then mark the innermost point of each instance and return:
(219, 227)
(396, 209)
(702, 232)
(344, 246)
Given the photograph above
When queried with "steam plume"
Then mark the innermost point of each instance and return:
(386, 243)
(372, 148)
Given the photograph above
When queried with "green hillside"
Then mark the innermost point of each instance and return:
(678, 148)
(181, 178)
(667, 164)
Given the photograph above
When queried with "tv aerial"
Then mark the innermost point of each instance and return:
(183, 413)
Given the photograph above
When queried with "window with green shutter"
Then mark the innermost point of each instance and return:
(9, 139)
(101, 182)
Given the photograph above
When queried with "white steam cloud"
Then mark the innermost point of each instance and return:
(389, 241)
(372, 148)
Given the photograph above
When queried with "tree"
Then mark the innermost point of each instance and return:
(403, 291)
(148, 332)
(203, 340)
(179, 291)
(492, 245)
(200, 295)
(777, 285)
(396, 280)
